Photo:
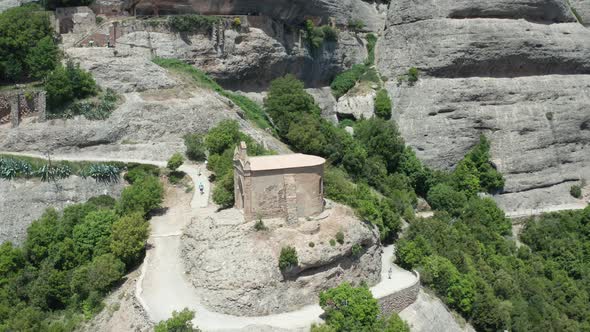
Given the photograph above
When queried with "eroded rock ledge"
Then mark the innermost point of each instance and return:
(235, 268)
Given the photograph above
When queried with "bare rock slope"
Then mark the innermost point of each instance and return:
(24, 201)
(235, 268)
(518, 72)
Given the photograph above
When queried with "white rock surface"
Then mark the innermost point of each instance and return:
(429, 314)
(24, 201)
(358, 103)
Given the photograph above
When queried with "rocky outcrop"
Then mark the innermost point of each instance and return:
(291, 11)
(24, 201)
(429, 314)
(358, 103)
(582, 9)
(235, 268)
(243, 59)
(121, 72)
(147, 125)
(506, 72)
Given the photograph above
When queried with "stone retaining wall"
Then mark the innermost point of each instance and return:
(15, 105)
(401, 299)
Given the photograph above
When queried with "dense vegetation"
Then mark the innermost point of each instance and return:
(179, 322)
(383, 105)
(192, 23)
(350, 308)
(316, 36)
(221, 142)
(253, 112)
(375, 156)
(27, 48)
(70, 260)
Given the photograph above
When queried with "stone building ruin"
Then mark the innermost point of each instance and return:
(16, 105)
(281, 186)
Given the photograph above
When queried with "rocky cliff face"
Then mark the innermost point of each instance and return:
(291, 11)
(517, 72)
(247, 58)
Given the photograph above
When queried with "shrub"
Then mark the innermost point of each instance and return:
(356, 25)
(346, 80)
(371, 42)
(356, 250)
(340, 237)
(11, 168)
(412, 75)
(192, 23)
(195, 147)
(288, 258)
(330, 33)
(137, 171)
(311, 244)
(332, 242)
(99, 275)
(146, 194)
(52, 173)
(350, 309)
(259, 226)
(65, 84)
(176, 177)
(236, 23)
(383, 105)
(179, 322)
(576, 191)
(102, 173)
(175, 162)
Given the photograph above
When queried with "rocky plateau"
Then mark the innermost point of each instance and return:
(235, 268)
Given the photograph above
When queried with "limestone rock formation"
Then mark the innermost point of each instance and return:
(429, 314)
(358, 103)
(291, 11)
(235, 268)
(582, 9)
(24, 201)
(120, 72)
(247, 59)
(521, 80)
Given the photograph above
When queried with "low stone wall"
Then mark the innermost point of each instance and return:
(16, 105)
(401, 299)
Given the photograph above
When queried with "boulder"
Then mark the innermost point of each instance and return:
(357, 103)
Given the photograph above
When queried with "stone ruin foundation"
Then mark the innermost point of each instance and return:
(16, 105)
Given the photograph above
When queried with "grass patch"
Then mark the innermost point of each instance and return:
(254, 113)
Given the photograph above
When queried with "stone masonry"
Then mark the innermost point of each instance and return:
(16, 105)
(284, 186)
(401, 299)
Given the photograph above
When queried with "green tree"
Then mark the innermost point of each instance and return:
(92, 236)
(146, 194)
(175, 162)
(443, 197)
(287, 101)
(97, 276)
(42, 58)
(128, 238)
(381, 138)
(222, 137)
(350, 309)
(21, 31)
(466, 177)
(383, 105)
(288, 258)
(59, 88)
(179, 322)
(195, 147)
(395, 324)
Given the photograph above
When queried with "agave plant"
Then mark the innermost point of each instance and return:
(11, 168)
(102, 172)
(52, 173)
